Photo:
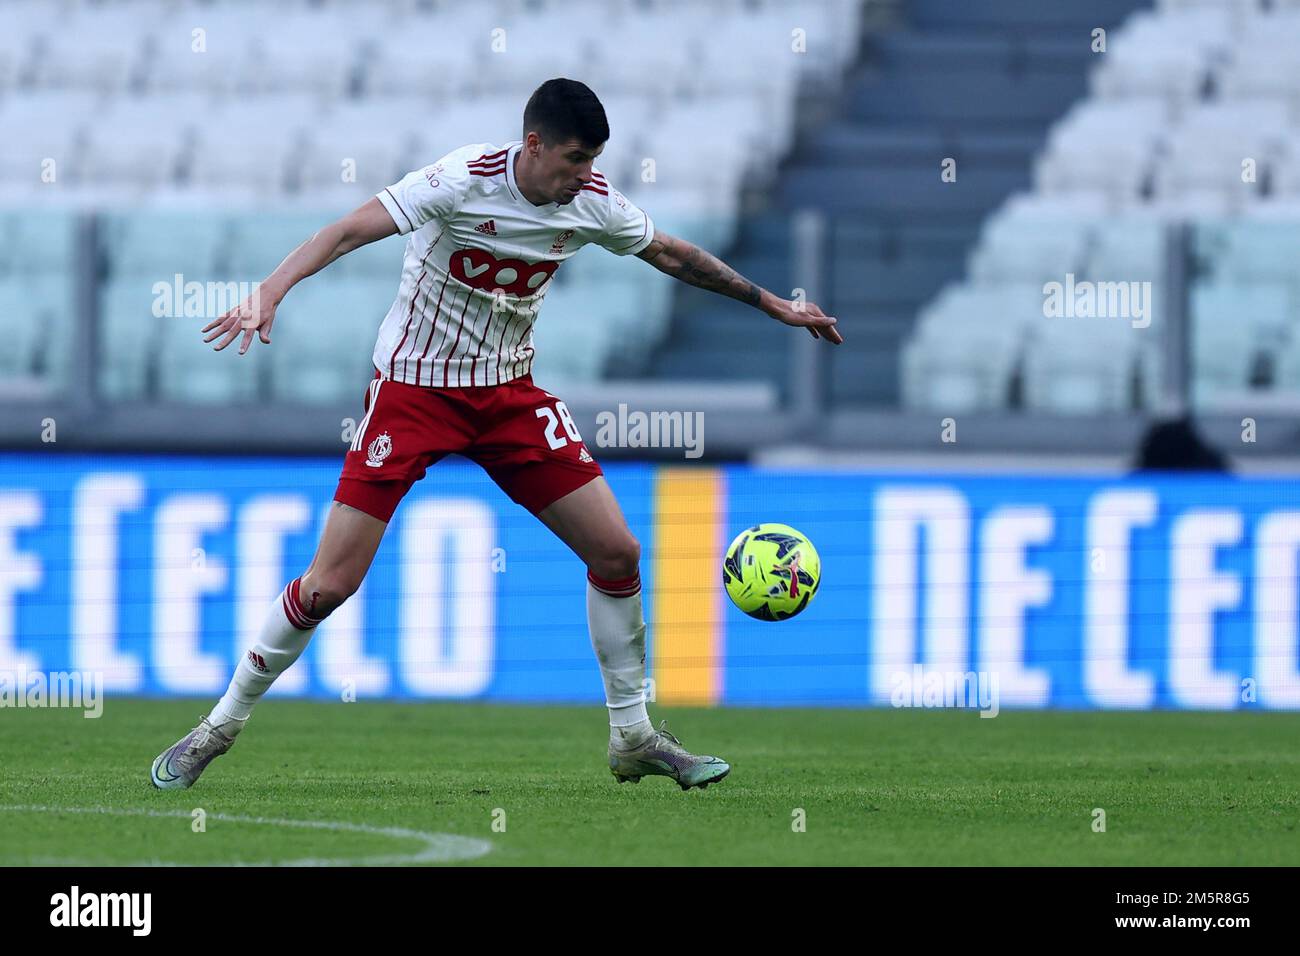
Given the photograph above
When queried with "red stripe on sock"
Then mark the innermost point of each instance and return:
(294, 618)
(619, 587)
(293, 608)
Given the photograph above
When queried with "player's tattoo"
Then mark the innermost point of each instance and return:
(694, 266)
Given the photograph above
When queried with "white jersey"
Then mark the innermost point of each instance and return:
(479, 260)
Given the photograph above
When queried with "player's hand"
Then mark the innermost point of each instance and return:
(809, 316)
(256, 314)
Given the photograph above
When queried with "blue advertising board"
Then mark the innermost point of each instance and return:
(1162, 592)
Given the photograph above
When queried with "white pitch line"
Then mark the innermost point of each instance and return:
(438, 847)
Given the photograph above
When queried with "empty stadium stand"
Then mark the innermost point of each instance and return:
(978, 82)
(146, 140)
(1190, 119)
(209, 138)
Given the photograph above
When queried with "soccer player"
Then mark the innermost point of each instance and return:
(488, 226)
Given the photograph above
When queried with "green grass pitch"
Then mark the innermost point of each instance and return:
(875, 787)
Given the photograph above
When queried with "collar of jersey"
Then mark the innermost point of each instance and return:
(544, 210)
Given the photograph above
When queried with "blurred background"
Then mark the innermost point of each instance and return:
(920, 168)
(1048, 230)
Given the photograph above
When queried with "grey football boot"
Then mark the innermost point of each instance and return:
(179, 765)
(663, 755)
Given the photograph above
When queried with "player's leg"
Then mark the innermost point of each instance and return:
(543, 465)
(388, 454)
(591, 523)
(343, 557)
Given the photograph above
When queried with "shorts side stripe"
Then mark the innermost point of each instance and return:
(359, 438)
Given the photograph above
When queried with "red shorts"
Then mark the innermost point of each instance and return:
(521, 435)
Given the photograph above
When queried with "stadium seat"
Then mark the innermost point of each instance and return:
(28, 310)
(139, 159)
(1178, 6)
(1286, 170)
(378, 260)
(439, 130)
(1028, 254)
(8, 245)
(1258, 314)
(18, 45)
(1209, 29)
(79, 58)
(1081, 366)
(129, 335)
(966, 345)
(316, 54)
(1223, 361)
(689, 145)
(259, 243)
(1208, 146)
(1173, 208)
(161, 244)
(180, 66)
(956, 375)
(1253, 35)
(45, 242)
(401, 69)
(40, 127)
(708, 222)
(628, 278)
(324, 337)
(377, 148)
(1104, 146)
(190, 370)
(1126, 249)
(575, 331)
(1285, 209)
(1286, 374)
(254, 150)
(1175, 73)
(1269, 72)
(1250, 251)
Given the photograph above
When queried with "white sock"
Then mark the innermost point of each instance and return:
(285, 634)
(618, 637)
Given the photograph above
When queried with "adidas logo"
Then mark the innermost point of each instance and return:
(258, 662)
(488, 228)
(583, 454)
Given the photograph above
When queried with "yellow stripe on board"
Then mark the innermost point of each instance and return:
(686, 629)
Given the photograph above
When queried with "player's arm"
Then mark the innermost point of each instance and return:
(691, 264)
(368, 223)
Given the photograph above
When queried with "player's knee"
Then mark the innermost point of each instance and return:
(322, 592)
(617, 560)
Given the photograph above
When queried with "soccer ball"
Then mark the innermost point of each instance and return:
(771, 571)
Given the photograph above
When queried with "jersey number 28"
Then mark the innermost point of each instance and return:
(553, 423)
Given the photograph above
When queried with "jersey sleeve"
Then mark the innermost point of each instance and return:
(424, 195)
(628, 228)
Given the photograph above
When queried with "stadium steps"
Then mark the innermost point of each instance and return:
(976, 80)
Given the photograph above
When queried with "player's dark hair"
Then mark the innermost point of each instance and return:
(563, 109)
